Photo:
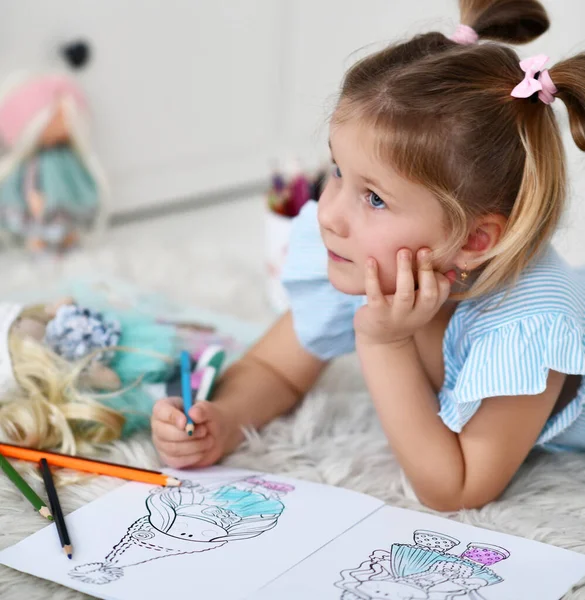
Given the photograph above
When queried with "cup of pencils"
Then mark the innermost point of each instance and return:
(290, 189)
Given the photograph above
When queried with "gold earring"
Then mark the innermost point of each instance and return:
(464, 273)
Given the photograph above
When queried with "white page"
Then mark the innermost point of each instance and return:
(227, 536)
(379, 560)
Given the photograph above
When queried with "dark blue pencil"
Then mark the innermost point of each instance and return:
(186, 389)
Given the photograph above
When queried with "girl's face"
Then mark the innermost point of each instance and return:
(368, 210)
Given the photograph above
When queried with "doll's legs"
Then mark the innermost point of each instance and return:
(35, 203)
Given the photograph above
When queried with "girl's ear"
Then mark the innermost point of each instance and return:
(485, 233)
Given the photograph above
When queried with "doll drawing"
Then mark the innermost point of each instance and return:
(190, 519)
(424, 571)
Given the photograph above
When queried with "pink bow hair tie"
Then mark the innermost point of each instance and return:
(465, 35)
(529, 85)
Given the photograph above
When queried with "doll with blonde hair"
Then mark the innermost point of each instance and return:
(72, 377)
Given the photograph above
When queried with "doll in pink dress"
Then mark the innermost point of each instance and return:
(51, 185)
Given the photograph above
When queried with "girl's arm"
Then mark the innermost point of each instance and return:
(269, 379)
(265, 383)
(450, 471)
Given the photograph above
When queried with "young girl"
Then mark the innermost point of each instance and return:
(429, 254)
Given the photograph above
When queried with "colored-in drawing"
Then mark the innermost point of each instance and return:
(424, 571)
(188, 519)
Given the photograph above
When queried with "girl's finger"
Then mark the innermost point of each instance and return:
(169, 432)
(444, 284)
(200, 431)
(373, 290)
(180, 462)
(187, 448)
(169, 410)
(404, 295)
(200, 412)
(428, 289)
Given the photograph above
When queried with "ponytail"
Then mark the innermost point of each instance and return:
(510, 21)
(569, 79)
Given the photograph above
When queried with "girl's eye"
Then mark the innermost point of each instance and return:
(335, 171)
(375, 201)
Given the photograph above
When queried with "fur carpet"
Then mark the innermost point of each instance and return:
(333, 437)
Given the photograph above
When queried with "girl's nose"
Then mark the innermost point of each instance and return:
(333, 212)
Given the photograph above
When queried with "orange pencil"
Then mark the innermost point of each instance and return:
(89, 465)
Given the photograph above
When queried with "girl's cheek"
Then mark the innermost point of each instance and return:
(387, 280)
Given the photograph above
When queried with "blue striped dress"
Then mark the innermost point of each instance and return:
(502, 344)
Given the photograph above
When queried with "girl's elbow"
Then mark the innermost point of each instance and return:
(453, 505)
(441, 503)
(456, 501)
(450, 493)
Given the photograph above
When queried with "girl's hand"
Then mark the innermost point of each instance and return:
(394, 319)
(215, 433)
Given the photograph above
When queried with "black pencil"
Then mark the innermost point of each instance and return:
(56, 508)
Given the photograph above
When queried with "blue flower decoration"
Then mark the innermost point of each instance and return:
(75, 332)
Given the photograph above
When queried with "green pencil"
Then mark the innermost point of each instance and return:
(25, 488)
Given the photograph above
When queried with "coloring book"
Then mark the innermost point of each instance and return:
(234, 534)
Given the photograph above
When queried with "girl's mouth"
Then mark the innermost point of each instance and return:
(336, 257)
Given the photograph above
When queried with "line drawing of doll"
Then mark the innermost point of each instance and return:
(424, 571)
(190, 519)
(52, 186)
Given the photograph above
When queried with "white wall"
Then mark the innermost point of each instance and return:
(184, 93)
(190, 96)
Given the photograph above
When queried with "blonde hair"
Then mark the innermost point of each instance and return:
(48, 410)
(443, 116)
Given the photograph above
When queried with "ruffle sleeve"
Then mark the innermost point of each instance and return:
(512, 360)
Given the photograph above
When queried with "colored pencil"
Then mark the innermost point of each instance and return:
(207, 383)
(89, 465)
(208, 369)
(56, 508)
(186, 389)
(212, 356)
(24, 487)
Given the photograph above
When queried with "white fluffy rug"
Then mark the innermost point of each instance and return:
(332, 438)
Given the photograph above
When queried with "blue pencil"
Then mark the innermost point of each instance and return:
(186, 389)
